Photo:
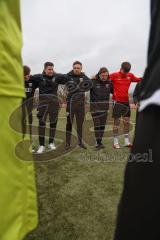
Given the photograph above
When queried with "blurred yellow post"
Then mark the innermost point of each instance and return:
(18, 209)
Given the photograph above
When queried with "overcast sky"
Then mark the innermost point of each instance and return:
(96, 32)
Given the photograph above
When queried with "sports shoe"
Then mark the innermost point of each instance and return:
(116, 146)
(97, 146)
(81, 145)
(67, 147)
(52, 146)
(129, 145)
(41, 149)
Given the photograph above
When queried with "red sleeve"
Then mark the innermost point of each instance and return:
(134, 78)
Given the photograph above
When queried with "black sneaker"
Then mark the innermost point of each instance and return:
(97, 146)
(67, 147)
(81, 145)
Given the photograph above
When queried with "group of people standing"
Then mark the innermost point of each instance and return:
(77, 84)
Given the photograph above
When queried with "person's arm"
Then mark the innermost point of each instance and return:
(112, 76)
(93, 84)
(111, 87)
(62, 78)
(86, 84)
(135, 94)
(134, 78)
(35, 81)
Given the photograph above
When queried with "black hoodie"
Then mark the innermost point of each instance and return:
(77, 86)
(100, 94)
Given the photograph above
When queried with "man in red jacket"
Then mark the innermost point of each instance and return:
(121, 107)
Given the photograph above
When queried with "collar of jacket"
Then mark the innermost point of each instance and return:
(49, 77)
(123, 75)
(71, 74)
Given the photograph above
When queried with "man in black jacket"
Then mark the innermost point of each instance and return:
(99, 103)
(48, 83)
(77, 86)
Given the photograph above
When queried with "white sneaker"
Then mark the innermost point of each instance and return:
(41, 149)
(129, 145)
(31, 149)
(116, 146)
(52, 146)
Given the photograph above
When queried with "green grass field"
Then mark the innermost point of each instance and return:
(78, 193)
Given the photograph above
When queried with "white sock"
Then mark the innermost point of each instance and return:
(126, 139)
(116, 141)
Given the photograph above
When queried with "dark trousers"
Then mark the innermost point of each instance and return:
(99, 120)
(139, 208)
(77, 111)
(47, 109)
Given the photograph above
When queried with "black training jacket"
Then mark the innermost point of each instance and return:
(77, 86)
(100, 95)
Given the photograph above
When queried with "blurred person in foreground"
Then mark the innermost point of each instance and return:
(139, 208)
(18, 208)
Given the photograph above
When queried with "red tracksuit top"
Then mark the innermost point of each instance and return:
(121, 84)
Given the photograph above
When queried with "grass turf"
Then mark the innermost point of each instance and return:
(78, 193)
